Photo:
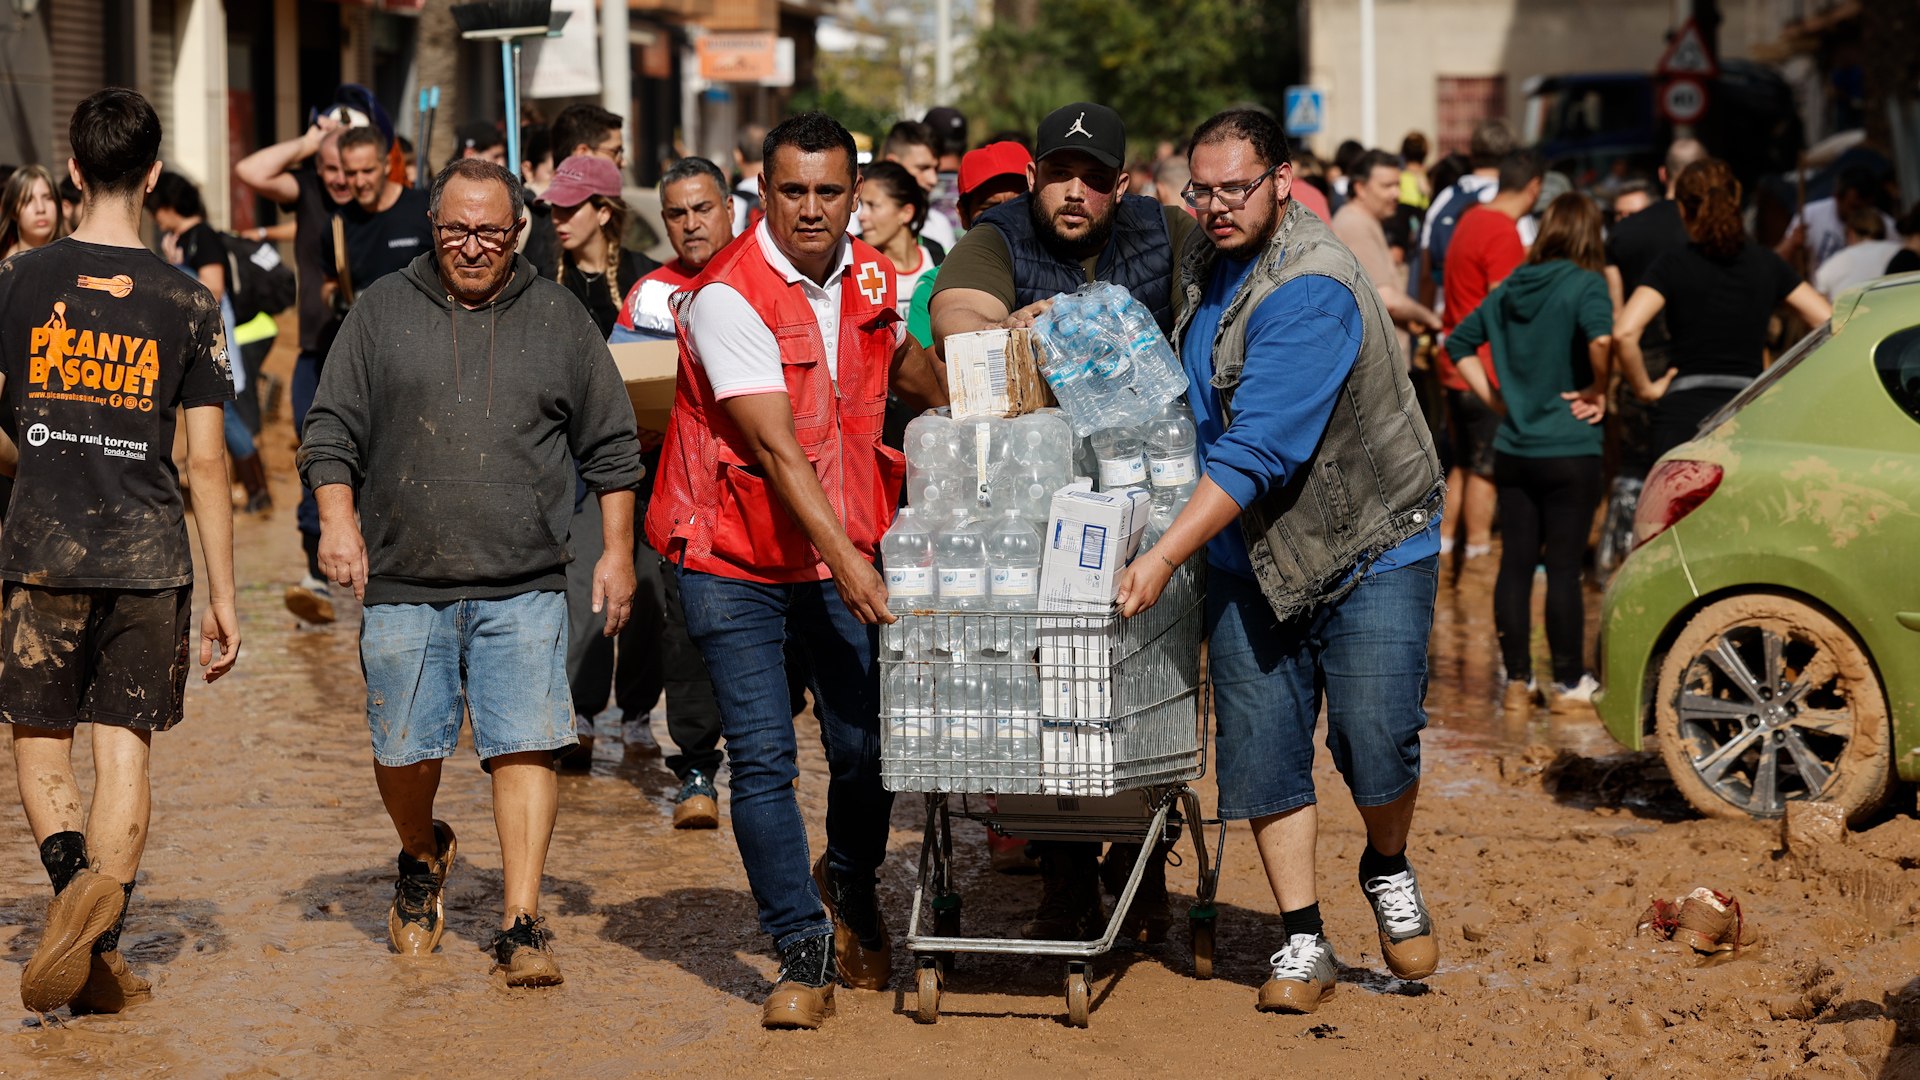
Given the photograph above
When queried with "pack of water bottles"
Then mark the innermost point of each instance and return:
(1106, 358)
(985, 464)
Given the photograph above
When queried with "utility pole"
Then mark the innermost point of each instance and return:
(943, 52)
(616, 73)
(1369, 107)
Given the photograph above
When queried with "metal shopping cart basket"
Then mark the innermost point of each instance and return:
(1082, 727)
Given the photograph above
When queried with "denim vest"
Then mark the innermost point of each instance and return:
(1375, 480)
(1138, 257)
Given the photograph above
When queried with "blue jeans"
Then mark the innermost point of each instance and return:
(239, 439)
(742, 628)
(502, 661)
(306, 382)
(1365, 653)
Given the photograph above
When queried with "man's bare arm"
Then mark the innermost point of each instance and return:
(213, 520)
(269, 171)
(963, 311)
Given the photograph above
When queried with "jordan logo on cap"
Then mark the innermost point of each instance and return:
(1079, 127)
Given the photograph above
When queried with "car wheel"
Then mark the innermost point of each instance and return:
(1763, 700)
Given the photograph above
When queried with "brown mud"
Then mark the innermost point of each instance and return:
(260, 916)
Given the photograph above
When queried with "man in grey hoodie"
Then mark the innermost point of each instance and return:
(454, 402)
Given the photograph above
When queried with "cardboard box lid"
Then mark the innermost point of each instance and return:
(648, 368)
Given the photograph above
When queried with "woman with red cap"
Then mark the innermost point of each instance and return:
(589, 218)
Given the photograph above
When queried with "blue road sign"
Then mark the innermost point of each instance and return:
(1306, 110)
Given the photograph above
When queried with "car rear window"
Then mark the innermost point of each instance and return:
(1897, 359)
(1774, 373)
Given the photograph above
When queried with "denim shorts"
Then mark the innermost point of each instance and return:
(1364, 654)
(502, 661)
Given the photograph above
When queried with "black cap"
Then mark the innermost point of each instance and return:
(1085, 126)
(949, 127)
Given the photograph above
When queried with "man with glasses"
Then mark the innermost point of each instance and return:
(1075, 224)
(1319, 514)
(458, 395)
(579, 129)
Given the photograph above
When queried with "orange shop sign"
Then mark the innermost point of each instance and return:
(745, 57)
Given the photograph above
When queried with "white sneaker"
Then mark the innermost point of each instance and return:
(1475, 551)
(1304, 975)
(1580, 693)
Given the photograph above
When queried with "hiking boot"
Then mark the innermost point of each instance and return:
(1406, 930)
(110, 987)
(1711, 922)
(1305, 974)
(1576, 697)
(524, 953)
(861, 948)
(418, 917)
(79, 914)
(698, 805)
(1070, 908)
(802, 995)
(577, 758)
(1148, 919)
(310, 601)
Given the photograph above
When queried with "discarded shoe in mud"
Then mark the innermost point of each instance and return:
(1705, 920)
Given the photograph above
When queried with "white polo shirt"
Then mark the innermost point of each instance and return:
(733, 342)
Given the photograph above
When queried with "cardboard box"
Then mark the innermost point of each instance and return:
(994, 372)
(1077, 759)
(1091, 537)
(1076, 667)
(648, 368)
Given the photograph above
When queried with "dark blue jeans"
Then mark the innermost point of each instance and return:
(306, 381)
(742, 628)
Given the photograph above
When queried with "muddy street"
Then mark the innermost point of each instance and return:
(261, 904)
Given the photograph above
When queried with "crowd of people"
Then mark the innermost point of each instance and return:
(1386, 362)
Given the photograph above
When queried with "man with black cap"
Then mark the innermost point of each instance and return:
(1076, 224)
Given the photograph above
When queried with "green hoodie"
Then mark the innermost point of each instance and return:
(1539, 322)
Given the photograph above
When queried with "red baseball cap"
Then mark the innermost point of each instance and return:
(579, 177)
(994, 159)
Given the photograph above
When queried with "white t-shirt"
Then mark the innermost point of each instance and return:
(1826, 234)
(733, 342)
(1852, 265)
(905, 282)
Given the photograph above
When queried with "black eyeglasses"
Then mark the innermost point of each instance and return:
(1232, 196)
(491, 237)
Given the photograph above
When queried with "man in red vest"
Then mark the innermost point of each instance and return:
(773, 493)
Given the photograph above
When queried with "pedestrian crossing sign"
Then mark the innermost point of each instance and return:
(1306, 110)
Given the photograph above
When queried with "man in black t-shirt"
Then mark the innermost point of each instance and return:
(100, 343)
(303, 175)
(385, 226)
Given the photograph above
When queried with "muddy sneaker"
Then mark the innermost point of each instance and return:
(110, 987)
(1305, 974)
(698, 805)
(1520, 696)
(1406, 930)
(1711, 922)
(1149, 918)
(640, 739)
(524, 953)
(79, 914)
(1070, 908)
(861, 946)
(802, 995)
(418, 917)
(1576, 697)
(310, 601)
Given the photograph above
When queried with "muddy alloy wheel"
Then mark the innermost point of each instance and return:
(1763, 700)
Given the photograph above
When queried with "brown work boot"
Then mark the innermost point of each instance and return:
(1305, 974)
(698, 804)
(418, 918)
(861, 948)
(110, 987)
(1148, 919)
(1710, 922)
(1070, 908)
(802, 996)
(524, 953)
(79, 914)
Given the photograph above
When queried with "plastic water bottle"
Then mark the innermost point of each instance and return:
(1173, 461)
(961, 695)
(1120, 453)
(911, 721)
(1041, 438)
(907, 554)
(1013, 568)
(936, 476)
(960, 567)
(984, 451)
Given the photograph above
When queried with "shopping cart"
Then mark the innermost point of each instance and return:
(1083, 727)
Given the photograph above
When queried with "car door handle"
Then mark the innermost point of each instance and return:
(1908, 619)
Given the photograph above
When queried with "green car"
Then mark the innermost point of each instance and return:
(1759, 631)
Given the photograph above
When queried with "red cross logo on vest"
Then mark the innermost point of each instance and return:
(873, 283)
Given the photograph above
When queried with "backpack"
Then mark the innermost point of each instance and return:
(261, 280)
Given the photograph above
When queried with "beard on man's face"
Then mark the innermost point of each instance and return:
(1073, 249)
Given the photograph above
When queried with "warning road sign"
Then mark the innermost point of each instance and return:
(1306, 110)
(1687, 55)
(1684, 101)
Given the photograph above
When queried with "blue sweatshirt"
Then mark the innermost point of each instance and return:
(1302, 341)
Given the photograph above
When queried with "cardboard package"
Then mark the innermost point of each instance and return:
(1091, 537)
(648, 368)
(1078, 758)
(995, 372)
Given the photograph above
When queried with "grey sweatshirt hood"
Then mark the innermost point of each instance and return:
(424, 274)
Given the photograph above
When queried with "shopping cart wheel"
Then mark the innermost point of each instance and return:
(927, 1011)
(1200, 931)
(1079, 998)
